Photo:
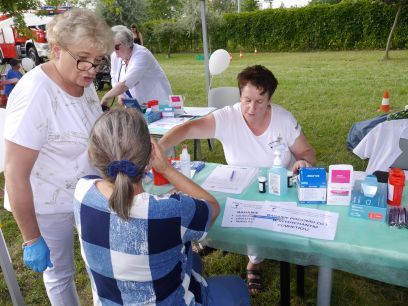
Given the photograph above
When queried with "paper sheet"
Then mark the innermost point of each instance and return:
(167, 123)
(198, 111)
(284, 217)
(230, 179)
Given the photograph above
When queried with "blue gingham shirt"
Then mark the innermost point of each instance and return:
(147, 259)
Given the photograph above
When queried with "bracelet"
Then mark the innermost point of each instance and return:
(25, 243)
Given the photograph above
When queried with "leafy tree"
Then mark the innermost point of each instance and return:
(164, 9)
(249, 5)
(16, 8)
(317, 2)
(223, 6)
(400, 4)
(122, 11)
(167, 33)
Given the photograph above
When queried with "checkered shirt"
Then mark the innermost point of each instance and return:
(147, 259)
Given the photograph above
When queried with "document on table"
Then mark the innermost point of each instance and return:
(230, 179)
(198, 111)
(284, 217)
(168, 123)
(241, 213)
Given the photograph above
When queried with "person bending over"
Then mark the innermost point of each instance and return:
(135, 72)
(250, 131)
(136, 246)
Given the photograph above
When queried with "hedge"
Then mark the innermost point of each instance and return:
(343, 26)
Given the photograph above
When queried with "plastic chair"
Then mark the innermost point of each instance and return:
(220, 97)
(223, 96)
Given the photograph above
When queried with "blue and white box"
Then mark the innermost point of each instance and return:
(312, 185)
(365, 207)
(167, 112)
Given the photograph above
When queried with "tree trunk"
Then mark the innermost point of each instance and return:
(394, 26)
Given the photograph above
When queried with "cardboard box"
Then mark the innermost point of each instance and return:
(370, 208)
(312, 185)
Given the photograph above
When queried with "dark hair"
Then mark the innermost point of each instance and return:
(120, 134)
(134, 26)
(14, 62)
(259, 76)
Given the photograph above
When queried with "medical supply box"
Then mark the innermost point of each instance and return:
(312, 185)
(370, 208)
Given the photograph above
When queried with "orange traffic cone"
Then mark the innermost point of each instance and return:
(385, 103)
(241, 55)
(255, 51)
(3, 97)
(230, 56)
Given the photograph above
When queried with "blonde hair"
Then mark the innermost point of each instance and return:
(77, 25)
(120, 134)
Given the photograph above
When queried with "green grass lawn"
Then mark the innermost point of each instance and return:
(326, 92)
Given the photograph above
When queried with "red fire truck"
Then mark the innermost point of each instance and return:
(15, 45)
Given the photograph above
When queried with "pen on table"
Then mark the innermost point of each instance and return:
(232, 175)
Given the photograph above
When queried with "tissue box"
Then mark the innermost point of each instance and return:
(374, 208)
(312, 185)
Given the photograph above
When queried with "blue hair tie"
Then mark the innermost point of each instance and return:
(126, 166)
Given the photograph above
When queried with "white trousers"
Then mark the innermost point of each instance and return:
(255, 259)
(57, 231)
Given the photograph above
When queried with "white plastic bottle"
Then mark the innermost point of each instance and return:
(185, 162)
(278, 176)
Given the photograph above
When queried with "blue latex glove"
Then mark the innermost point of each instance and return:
(37, 256)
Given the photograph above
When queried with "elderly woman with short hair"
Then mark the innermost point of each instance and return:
(50, 114)
(135, 72)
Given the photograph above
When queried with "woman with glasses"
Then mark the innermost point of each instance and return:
(135, 72)
(50, 114)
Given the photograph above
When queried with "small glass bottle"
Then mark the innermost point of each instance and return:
(262, 184)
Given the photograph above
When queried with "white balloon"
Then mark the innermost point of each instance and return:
(219, 61)
(27, 64)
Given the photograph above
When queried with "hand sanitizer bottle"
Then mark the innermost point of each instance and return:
(185, 162)
(278, 176)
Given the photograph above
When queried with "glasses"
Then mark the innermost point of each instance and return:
(84, 65)
(117, 47)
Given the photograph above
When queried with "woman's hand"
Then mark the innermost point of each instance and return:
(159, 159)
(301, 163)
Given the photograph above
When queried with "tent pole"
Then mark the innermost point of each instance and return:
(205, 46)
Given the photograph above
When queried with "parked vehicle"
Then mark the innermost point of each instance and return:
(15, 45)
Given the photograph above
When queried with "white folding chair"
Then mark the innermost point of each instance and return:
(223, 96)
(220, 97)
(5, 260)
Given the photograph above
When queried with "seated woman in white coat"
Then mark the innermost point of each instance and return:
(250, 131)
(135, 72)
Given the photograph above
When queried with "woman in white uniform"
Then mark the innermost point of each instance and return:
(50, 114)
(135, 72)
(250, 131)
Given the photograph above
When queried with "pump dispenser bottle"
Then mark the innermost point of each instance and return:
(185, 162)
(278, 176)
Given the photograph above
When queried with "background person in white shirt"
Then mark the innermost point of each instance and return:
(50, 114)
(250, 131)
(135, 72)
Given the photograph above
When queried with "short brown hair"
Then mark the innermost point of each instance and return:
(259, 76)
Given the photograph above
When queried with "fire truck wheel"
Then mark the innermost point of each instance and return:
(34, 56)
